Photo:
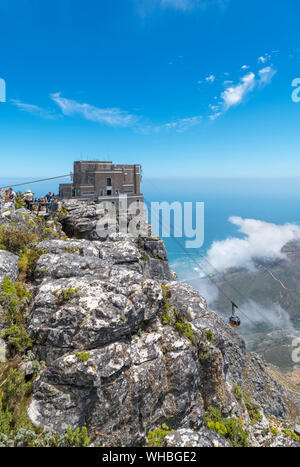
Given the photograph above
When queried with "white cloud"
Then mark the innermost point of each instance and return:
(33, 109)
(234, 95)
(273, 315)
(245, 67)
(215, 116)
(180, 125)
(210, 78)
(266, 74)
(264, 58)
(110, 116)
(261, 240)
(213, 107)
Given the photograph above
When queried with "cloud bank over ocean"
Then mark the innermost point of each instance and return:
(260, 241)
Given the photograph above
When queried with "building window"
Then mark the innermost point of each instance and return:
(108, 192)
(108, 182)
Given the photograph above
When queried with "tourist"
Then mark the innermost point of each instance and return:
(48, 201)
(28, 198)
(6, 196)
(11, 195)
(42, 204)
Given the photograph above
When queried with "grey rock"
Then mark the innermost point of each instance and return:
(122, 390)
(99, 313)
(195, 439)
(297, 429)
(79, 247)
(8, 265)
(263, 388)
(68, 265)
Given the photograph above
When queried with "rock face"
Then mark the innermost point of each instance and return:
(8, 265)
(129, 348)
(189, 438)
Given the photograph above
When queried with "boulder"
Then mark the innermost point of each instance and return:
(8, 265)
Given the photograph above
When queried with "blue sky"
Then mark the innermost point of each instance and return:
(193, 88)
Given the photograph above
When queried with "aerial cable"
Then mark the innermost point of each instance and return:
(34, 181)
(209, 276)
(206, 274)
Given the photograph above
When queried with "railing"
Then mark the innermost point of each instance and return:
(50, 206)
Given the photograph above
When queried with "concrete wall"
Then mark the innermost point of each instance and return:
(102, 178)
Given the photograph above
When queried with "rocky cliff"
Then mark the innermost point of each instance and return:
(132, 353)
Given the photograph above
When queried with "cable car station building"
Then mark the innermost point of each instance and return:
(103, 181)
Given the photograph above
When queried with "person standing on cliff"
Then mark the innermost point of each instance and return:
(28, 198)
(48, 201)
(11, 195)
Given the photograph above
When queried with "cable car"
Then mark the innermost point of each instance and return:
(234, 320)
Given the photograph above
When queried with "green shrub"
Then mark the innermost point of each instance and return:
(28, 437)
(230, 428)
(166, 319)
(14, 396)
(187, 330)
(156, 437)
(238, 392)
(82, 356)
(79, 438)
(254, 410)
(145, 257)
(14, 241)
(27, 262)
(16, 338)
(37, 365)
(209, 335)
(19, 201)
(14, 300)
(65, 295)
(291, 434)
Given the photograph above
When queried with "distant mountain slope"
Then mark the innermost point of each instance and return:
(269, 299)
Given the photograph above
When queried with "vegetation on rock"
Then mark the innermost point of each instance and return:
(156, 437)
(82, 356)
(254, 410)
(231, 428)
(14, 300)
(66, 295)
